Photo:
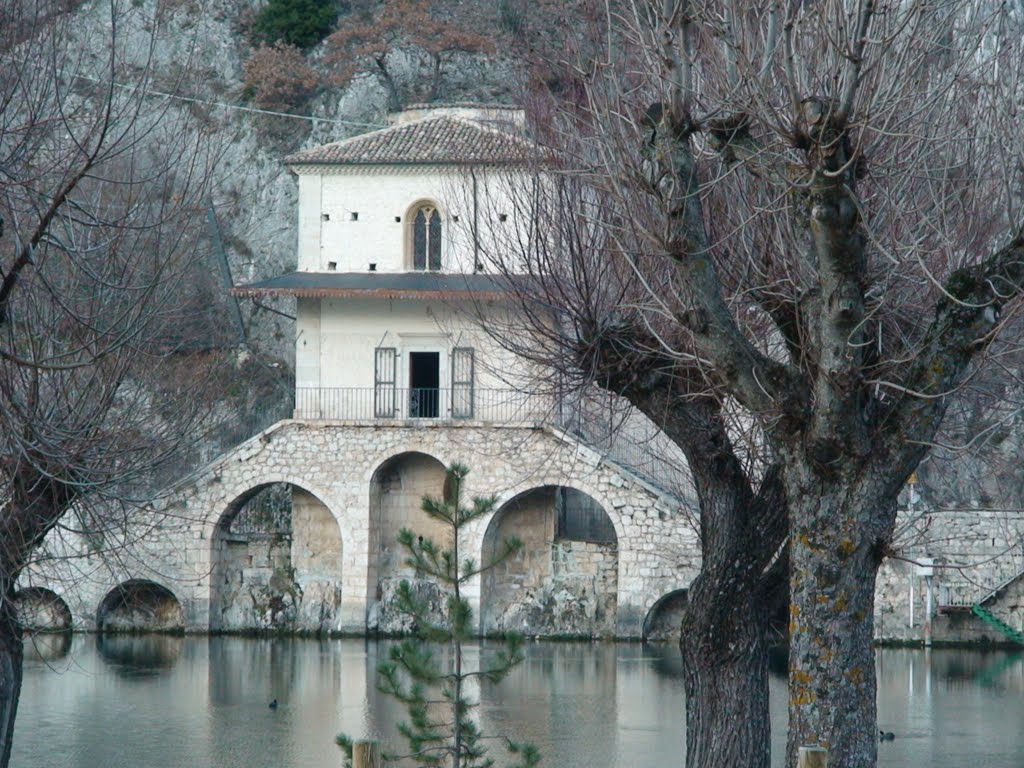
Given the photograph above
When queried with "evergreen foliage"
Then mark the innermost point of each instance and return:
(425, 670)
(302, 23)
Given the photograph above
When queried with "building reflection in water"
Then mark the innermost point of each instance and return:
(47, 646)
(179, 702)
(132, 656)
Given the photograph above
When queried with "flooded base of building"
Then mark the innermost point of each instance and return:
(165, 701)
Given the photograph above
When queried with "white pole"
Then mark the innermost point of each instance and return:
(928, 612)
(911, 599)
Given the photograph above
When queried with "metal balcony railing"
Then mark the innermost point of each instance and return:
(1000, 569)
(424, 403)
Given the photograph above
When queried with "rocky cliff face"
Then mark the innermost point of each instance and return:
(192, 56)
(200, 52)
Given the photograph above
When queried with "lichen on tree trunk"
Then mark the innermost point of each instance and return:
(832, 684)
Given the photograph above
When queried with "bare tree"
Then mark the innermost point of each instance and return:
(101, 189)
(801, 221)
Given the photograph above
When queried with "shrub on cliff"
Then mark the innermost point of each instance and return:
(278, 78)
(302, 23)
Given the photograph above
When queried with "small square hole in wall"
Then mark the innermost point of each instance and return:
(373, 266)
(325, 216)
(398, 219)
(332, 265)
(455, 218)
(478, 267)
(355, 215)
(502, 217)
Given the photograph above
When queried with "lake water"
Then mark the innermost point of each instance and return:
(166, 702)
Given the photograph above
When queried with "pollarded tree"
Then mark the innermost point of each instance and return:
(804, 220)
(580, 317)
(426, 671)
(101, 189)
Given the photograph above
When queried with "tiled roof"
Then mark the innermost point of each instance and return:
(436, 140)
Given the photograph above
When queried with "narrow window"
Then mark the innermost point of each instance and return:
(435, 241)
(426, 239)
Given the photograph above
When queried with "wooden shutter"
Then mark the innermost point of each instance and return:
(385, 378)
(462, 382)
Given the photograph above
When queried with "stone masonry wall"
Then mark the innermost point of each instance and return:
(975, 552)
(335, 463)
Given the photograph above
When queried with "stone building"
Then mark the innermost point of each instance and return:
(396, 376)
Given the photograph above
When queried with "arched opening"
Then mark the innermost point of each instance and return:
(564, 579)
(276, 557)
(661, 625)
(139, 605)
(424, 238)
(397, 489)
(41, 610)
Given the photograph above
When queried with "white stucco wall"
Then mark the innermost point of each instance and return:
(354, 216)
(337, 338)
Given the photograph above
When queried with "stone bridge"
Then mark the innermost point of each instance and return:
(603, 551)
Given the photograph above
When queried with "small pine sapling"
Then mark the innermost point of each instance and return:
(429, 682)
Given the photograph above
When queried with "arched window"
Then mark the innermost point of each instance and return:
(426, 239)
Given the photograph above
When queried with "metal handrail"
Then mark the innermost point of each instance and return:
(424, 404)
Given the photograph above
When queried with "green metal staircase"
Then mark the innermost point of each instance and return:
(998, 624)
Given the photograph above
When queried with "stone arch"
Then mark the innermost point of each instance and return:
(396, 489)
(276, 561)
(590, 489)
(140, 605)
(564, 580)
(42, 610)
(662, 621)
(394, 451)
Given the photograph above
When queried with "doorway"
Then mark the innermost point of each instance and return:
(424, 384)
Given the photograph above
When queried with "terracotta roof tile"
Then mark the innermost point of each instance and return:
(435, 140)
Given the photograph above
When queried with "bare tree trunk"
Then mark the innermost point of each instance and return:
(725, 674)
(11, 651)
(725, 625)
(832, 684)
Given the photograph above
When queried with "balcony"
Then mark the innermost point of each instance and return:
(424, 405)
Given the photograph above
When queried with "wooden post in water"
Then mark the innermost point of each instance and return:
(808, 757)
(366, 754)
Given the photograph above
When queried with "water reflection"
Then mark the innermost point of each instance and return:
(47, 646)
(133, 656)
(203, 701)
